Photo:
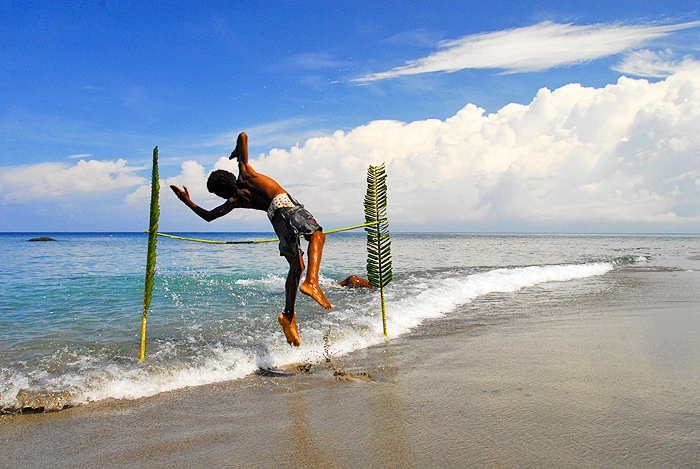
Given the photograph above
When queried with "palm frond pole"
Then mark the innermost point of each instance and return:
(151, 256)
(378, 243)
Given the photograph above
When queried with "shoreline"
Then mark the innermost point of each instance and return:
(511, 380)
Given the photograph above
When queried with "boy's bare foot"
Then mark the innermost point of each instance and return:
(315, 292)
(235, 153)
(290, 330)
(241, 146)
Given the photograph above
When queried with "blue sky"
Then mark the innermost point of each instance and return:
(501, 116)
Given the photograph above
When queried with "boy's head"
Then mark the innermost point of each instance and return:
(222, 183)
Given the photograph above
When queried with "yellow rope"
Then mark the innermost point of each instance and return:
(260, 240)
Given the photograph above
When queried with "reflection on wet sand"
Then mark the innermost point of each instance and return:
(608, 377)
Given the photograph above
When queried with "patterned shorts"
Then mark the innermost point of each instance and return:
(291, 221)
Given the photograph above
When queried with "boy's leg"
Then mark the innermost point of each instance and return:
(287, 319)
(310, 286)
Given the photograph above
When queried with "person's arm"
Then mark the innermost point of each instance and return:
(209, 215)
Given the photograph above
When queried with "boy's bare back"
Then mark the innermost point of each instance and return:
(262, 189)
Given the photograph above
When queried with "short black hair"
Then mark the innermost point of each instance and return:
(222, 183)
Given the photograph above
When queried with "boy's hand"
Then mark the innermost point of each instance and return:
(182, 195)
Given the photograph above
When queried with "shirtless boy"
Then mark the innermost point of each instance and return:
(353, 281)
(288, 217)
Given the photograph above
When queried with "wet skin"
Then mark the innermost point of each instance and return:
(353, 281)
(256, 191)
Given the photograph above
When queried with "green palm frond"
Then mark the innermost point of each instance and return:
(151, 256)
(379, 272)
(378, 242)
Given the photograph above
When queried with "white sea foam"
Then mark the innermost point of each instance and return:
(442, 296)
(222, 365)
(353, 325)
(208, 324)
(270, 281)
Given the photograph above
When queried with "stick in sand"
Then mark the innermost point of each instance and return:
(379, 272)
(151, 256)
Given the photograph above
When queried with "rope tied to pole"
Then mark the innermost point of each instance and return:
(261, 240)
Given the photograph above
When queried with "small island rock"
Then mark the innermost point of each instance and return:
(42, 238)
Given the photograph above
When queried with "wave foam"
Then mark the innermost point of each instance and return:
(353, 325)
(442, 296)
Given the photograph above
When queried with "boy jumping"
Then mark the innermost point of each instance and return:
(289, 218)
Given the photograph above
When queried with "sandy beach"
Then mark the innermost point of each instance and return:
(530, 380)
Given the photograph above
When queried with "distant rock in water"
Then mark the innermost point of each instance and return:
(42, 238)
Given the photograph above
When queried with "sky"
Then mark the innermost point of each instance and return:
(500, 116)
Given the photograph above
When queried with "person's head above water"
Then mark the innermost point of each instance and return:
(222, 183)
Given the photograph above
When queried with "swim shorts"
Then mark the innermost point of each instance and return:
(291, 220)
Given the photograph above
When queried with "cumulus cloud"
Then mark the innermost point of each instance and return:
(51, 180)
(193, 176)
(539, 47)
(627, 152)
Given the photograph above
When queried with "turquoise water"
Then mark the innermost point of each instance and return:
(70, 310)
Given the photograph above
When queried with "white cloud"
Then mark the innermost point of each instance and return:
(645, 63)
(539, 47)
(51, 180)
(624, 153)
(192, 176)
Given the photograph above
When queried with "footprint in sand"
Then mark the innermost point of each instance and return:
(341, 375)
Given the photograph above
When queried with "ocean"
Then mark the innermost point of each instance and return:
(70, 310)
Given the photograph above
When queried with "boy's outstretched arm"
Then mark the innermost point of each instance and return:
(208, 215)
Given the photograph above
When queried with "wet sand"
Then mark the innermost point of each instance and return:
(610, 378)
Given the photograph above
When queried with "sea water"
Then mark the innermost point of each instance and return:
(70, 310)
